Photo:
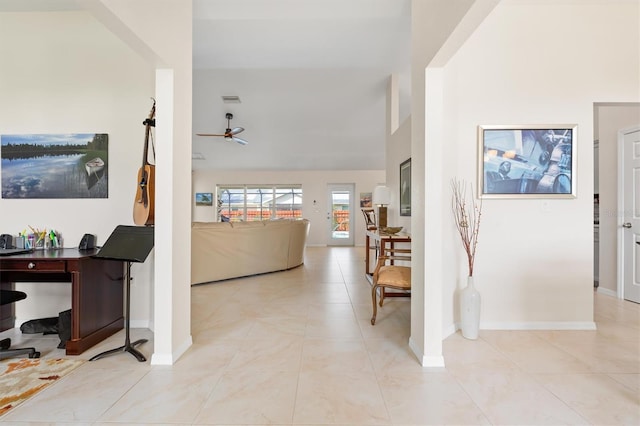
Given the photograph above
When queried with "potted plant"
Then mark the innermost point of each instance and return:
(467, 219)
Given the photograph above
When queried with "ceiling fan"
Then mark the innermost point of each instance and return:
(229, 134)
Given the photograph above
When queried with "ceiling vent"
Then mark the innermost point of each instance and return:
(197, 156)
(231, 99)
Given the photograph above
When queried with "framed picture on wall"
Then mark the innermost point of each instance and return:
(52, 165)
(534, 161)
(405, 188)
(204, 199)
(365, 199)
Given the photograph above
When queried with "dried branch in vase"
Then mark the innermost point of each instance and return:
(467, 219)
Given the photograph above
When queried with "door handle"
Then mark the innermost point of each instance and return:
(626, 225)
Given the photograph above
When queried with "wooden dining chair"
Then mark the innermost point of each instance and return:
(370, 219)
(388, 274)
(371, 224)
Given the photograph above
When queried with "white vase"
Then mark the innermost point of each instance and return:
(470, 310)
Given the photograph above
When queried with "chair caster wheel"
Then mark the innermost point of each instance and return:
(373, 321)
(34, 355)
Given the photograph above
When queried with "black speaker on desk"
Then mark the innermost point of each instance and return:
(6, 241)
(88, 242)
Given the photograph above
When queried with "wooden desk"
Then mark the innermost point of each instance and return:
(383, 240)
(96, 289)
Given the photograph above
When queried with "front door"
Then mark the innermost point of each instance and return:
(631, 214)
(340, 217)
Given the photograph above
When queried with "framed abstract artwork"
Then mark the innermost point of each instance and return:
(534, 161)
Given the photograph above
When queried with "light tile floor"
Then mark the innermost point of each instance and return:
(297, 347)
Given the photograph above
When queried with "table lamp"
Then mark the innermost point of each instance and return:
(382, 198)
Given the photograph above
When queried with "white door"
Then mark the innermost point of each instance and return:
(630, 226)
(340, 217)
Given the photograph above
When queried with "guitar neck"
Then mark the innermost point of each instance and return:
(145, 152)
(149, 123)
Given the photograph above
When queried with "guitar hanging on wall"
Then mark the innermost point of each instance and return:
(143, 207)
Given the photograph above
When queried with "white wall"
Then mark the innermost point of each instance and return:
(398, 150)
(433, 23)
(535, 259)
(536, 62)
(314, 187)
(170, 51)
(69, 75)
(610, 119)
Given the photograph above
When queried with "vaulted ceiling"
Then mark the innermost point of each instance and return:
(311, 77)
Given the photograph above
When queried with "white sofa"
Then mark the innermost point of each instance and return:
(223, 250)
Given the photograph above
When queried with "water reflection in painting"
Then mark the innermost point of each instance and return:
(55, 166)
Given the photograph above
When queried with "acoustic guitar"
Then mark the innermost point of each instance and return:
(143, 207)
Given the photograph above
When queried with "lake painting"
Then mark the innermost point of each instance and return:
(55, 165)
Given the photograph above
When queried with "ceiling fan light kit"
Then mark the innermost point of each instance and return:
(229, 133)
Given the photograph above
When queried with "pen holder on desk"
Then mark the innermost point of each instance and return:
(33, 242)
(39, 244)
(41, 239)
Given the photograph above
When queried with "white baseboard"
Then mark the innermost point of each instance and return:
(539, 325)
(528, 325)
(426, 361)
(448, 331)
(170, 359)
(139, 323)
(607, 291)
(161, 359)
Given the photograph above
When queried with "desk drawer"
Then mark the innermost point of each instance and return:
(33, 265)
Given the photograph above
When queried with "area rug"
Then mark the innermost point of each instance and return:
(20, 379)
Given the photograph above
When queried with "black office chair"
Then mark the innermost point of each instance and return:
(6, 297)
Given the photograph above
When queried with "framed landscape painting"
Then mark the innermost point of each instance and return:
(204, 199)
(534, 161)
(74, 165)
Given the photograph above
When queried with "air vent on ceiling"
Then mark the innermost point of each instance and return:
(231, 99)
(197, 156)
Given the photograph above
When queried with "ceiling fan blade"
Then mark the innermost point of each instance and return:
(229, 133)
(240, 141)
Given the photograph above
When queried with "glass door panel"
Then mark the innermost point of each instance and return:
(341, 214)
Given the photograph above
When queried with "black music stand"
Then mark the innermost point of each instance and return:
(127, 244)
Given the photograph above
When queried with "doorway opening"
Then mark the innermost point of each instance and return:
(341, 203)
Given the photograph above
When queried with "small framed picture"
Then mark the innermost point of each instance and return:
(405, 188)
(204, 199)
(534, 161)
(365, 199)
